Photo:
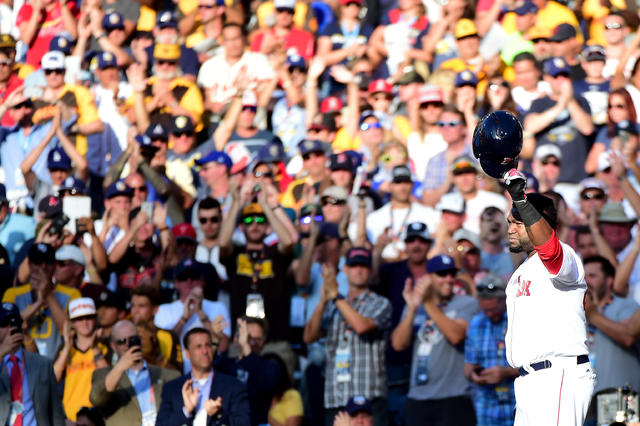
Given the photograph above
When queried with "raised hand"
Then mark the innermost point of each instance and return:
(189, 396)
(516, 183)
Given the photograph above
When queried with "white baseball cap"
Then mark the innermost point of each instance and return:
(53, 60)
(451, 202)
(546, 150)
(71, 252)
(284, 4)
(81, 307)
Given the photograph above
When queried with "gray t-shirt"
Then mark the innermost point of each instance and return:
(615, 365)
(445, 364)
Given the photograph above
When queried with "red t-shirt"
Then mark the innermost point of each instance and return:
(50, 25)
(12, 84)
(301, 40)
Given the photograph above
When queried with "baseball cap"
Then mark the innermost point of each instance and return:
(626, 126)
(591, 183)
(563, 32)
(490, 284)
(430, 94)
(466, 78)
(465, 234)
(555, 66)
(451, 202)
(118, 188)
(539, 33)
(184, 230)
(441, 262)
(166, 19)
(74, 185)
(157, 131)
(380, 85)
(109, 299)
(331, 104)
(53, 60)
(58, 159)
(358, 256)
(463, 164)
(418, 229)
(51, 206)
(106, 60)
(524, 7)
(215, 157)
(190, 268)
(335, 192)
(249, 98)
(112, 20)
(9, 310)
(614, 213)
(252, 209)
(358, 404)
(284, 4)
(324, 122)
(145, 142)
(62, 42)
(181, 124)
(41, 253)
(71, 252)
(270, 153)
(594, 52)
(239, 155)
(401, 174)
(7, 40)
(350, 1)
(548, 150)
(341, 161)
(81, 307)
(328, 229)
(465, 28)
(3, 194)
(166, 52)
(296, 61)
(307, 146)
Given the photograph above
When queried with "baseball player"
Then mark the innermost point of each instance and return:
(546, 335)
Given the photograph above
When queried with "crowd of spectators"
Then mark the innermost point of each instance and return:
(268, 212)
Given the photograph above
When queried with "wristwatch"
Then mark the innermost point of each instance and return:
(338, 297)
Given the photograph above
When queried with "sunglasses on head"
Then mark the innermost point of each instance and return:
(212, 219)
(368, 126)
(446, 273)
(449, 123)
(180, 134)
(259, 175)
(56, 71)
(592, 196)
(305, 220)
(248, 220)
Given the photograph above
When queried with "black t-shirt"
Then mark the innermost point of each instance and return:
(270, 268)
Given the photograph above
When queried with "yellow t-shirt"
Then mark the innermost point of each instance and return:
(552, 15)
(290, 405)
(77, 382)
(169, 347)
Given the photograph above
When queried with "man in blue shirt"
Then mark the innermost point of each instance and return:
(15, 228)
(484, 356)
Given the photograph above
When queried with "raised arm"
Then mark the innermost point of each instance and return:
(285, 241)
(403, 333)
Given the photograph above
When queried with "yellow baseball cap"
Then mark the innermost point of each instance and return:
(167, 52)
(465, 28)
(252, 209)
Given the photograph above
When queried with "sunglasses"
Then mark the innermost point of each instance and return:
(592, 196)
(212, 219)
(131, 340)
(332, 201)
(552, 162)
(189, 275)
(606, 170)
(25, 104)
(164, 62)
(142, 188)
(495, 86)
(254, 219)
(5, 62)
(562, 74)
(449, 123)
(63, 263)
(431, 104)
(206, 6)
(259, 175)
(489, 288)
(613, 26)
(368, 126)
(181, 134)
(284, 10)
(56, 71)
(312, 155)
(305, 220)
(447, 273)
(414, 239)
(618, 106)
(251, 108)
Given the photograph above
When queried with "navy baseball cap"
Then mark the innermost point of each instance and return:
(110, 299)
(181, 124)
(166, 19)
(441, 262)
(58, 159)
(466, 78)
(296, 61)
(74, 185)
(157, 131)
(62, 42)
(9, 310)
(556, 66)
(418, 229)
(357, 404)
(525, 7)
(271, 153)
(358, 256)
(112, 21)
(214, 156)
(401, 174)
(145, 142)
(307, 146)
(594, 52)
(41, 253)
(51, 206)
(190, 268)
(106, 60)
(328, 230)
(563, 32)
(341, 161)
(118, 188)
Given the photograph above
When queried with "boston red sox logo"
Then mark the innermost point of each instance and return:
(523, 288)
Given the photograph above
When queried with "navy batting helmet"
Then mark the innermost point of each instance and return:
(497, 142)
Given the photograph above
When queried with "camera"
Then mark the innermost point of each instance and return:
(57, 224)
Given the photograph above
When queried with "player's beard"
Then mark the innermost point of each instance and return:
(521, 246)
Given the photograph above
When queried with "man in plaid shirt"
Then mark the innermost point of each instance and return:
(485, 361)
(356, 329)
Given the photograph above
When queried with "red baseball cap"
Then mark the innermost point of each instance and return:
(380, 85)
(331, 104)
(184, 230)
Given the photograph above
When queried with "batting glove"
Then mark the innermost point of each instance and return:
(516, 184)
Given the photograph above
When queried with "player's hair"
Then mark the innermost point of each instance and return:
(195, 330)
(235, 25)
(526, 56)
(209, 203)
(147, 291)
(606, 266)
(262, 322)
(544, 205)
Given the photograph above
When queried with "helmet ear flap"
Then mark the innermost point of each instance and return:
(497, 142)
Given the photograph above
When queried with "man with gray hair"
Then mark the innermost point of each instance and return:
(111, 386)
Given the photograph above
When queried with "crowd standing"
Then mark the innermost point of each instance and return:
(268, 212)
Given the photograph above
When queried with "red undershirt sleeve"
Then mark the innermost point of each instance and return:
(551, 254)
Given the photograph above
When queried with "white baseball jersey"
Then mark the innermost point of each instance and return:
(546, 311)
